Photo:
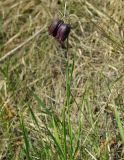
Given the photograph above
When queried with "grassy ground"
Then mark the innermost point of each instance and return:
(53, 108)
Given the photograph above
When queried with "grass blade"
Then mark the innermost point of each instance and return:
(33, 116)
(26, 139)
(42, 104)
(61, 154)
(119, 124)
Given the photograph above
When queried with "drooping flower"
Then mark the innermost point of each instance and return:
(59, 30)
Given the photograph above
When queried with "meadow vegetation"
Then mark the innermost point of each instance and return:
(58, 108)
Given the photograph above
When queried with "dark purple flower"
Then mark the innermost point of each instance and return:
(53, 28)
(63, 32)
(59, 30)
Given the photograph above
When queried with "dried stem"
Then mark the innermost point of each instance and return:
(13, 51)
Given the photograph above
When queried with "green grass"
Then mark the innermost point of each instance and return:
(55, 103)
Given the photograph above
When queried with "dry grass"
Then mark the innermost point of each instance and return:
(96, 46)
